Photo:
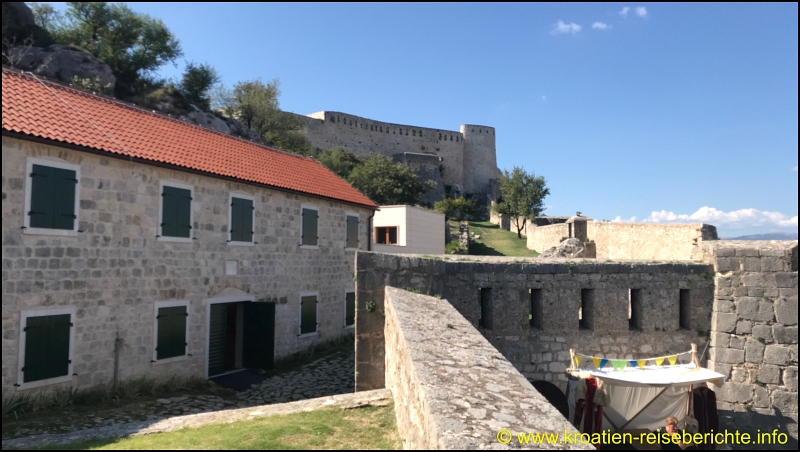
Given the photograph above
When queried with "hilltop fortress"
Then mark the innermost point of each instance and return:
(461, 163)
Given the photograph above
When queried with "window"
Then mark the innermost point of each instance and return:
(45, 347)
(51, 198)
(352, 231)
(176, 213)
(308, 236)
(386, 235)
(171, 327)
(308, 313)
(485, 320)
(241, 218)
(535, 317)
(684, 314)
(349, 308)
(585, 311)
(635, 310)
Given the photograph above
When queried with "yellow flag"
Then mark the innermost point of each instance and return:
(672, 359)
(659, 361)
(596, 362)
(641, 363)
(578, 360)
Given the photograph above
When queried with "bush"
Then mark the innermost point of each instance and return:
(458, 209)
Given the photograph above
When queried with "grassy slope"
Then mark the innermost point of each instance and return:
(334, 428)
(497, 242)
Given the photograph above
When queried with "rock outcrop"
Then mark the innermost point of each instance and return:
(224, 125)
(66, 64)
(570, 248)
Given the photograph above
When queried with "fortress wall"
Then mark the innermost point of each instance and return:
(649, 241)
(330, 129)
(480, 159)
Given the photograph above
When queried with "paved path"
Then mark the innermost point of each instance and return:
(379, 397)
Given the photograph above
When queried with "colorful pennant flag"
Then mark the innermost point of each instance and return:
(672, 359)
(618, 364)
(597, 362)
(578, 359)
(632, 363)
(603, 362)
(641, 363)
(659, 360)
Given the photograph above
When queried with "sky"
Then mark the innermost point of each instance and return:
(631, 111)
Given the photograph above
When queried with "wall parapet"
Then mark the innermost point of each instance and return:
(452, 388)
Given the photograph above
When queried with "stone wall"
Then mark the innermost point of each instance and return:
(631, 240)
(115, 268)
(428, 168)
(754, 333)
(541, 351)
(451, 388)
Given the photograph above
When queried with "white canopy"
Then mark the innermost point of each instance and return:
(655, 376)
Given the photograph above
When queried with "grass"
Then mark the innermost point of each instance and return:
(332, 428)
(497, 242)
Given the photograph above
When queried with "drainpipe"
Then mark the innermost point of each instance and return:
(369, 231)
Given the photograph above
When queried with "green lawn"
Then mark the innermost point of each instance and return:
(333, 428)
(497, 242)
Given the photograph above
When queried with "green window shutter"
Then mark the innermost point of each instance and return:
(46, 347)
(350, 308)
(241, 220)
(176, 207)
(171, 332)
(52, 198)
(309, 236)
(308, 314)
(352, 232)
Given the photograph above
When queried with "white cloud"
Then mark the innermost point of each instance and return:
(641, 11)
(736, 219)
(561, 28)
(624, 11)
(600, 26)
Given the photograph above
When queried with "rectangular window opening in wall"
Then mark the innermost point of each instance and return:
(309, 234)
(171, 327)
(241, 220)
(46, 347)
(684, 304)
(585, 311)
(485, 320)
(386, 235)
(349, 309)
(308, 313)
(176, 212)
(635, 309)
(535, 317)
(52, 196)
(352, 231)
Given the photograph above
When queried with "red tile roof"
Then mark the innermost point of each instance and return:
(43, 109)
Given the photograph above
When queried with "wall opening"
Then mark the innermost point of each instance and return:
(684, 305)
(635, 310)
(585, 311)
(535, 316)
(485, 320)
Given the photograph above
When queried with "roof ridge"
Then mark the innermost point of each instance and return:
(138, 108)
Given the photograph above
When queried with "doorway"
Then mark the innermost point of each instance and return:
(241, 335)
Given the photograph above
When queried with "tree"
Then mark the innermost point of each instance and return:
(197, 82)
(458, 209)
(134, 45)
(339, 161)
(521, 196)
(387, 182)
(255, 105)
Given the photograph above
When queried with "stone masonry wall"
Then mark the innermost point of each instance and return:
(115, 269)
(452, 389)
(542, 238)
(754, 333)
(540, 353)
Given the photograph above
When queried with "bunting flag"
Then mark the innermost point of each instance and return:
(603, 362)
(641, 363)
(596, 362)
(632, 363)
(618, 364)
(659, 360)
(672, 359)
(578, 359)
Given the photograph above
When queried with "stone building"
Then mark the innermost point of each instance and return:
(135, 244)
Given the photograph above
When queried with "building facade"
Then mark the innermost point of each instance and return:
(408, 230)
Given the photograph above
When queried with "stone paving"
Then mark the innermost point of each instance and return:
(324, 377)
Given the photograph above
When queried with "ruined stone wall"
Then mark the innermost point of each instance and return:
(115, 268)
(541, 352)
(451, 388)
(542, 238)
(754, 333)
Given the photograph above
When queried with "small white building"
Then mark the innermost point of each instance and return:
(408, 230)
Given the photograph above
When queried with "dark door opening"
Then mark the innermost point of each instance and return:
(241, 336)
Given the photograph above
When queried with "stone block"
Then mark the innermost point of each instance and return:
(751, 264)
(769, 374)
(728, 264)
(773, 264)
(721, 340)
(758, 279)
(759, 309)
(784, 334)
(727, 356)
(744, 327)
(786, 311)
(723, 305)
(786, 280)
(780, 355)
(785, 401)
(746, 252)
(723, 323)
(737, 342)
(760, 397)
(740, 376)
(735, 393)
(763, 332)
(753, 351)
(790, 378)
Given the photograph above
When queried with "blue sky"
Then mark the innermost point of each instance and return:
(631, 111)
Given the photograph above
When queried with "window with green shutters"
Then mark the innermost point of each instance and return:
(241, 223)
(52, 194)
(352, 231)
(349, 308)
(171, 320)
(308, 314)
(176, 212)
(46, 346)
(309, 235)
